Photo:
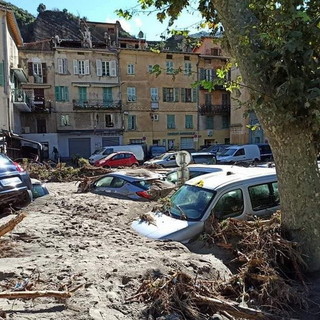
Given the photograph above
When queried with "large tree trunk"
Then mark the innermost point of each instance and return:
(298, 173)
(292, 143)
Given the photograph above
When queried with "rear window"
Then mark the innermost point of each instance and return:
(141, 184)
(264, 196)
(4, 160)
(207, 159)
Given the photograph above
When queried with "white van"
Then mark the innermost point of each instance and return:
(240, 153)
(242, 193)
(137, 149)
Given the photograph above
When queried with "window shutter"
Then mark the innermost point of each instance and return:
(44, 72)
(202, 74)
(66, 94)
(65, 66)
(1, 75)
(183, 96)
(99, 67)
(194, 94)
(57, 93)
(113, 68)
(30, 69)
(75, 67)
(176, 94)
(60, 65)
(86, 67)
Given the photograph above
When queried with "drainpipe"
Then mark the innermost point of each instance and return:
(5, 68)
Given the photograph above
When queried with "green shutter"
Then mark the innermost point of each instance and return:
(183, 96)
(170, 121)
(1, 75)
(176, 94)
(209, 122)
(57, 92)
(189, 121)
(66, 94)
(194, 94)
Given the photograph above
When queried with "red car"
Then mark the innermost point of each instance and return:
(118, 159)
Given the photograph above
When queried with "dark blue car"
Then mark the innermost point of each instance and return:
(15, 185)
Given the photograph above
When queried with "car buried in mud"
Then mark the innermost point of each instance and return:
(239, 194)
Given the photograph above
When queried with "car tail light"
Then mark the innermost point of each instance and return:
(19, 168)
(144, 194)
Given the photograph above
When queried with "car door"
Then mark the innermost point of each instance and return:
(116, 161)
(240, 155)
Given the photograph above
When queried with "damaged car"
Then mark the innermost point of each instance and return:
(15, 185)
(238, 194)
(137, 184)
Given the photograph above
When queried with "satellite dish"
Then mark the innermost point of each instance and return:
(183, 158)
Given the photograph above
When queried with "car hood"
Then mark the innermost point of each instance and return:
(163, 227)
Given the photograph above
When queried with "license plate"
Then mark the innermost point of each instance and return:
(10, 181)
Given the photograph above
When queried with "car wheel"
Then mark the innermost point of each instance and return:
(24, 201)
(134, 165)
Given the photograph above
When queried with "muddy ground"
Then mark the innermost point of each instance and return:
(70, 239)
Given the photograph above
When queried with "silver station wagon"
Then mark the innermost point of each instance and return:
(240, 193)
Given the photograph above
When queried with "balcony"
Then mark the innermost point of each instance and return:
(214, 109)
(97, 105)
(21, 101)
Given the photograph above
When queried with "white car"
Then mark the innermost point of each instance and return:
(238, 193)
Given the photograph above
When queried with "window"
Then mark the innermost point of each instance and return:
(81, 67)
(170, 94)
(171, 122)
(188, 95)
(64, 120)
(108, 120)
(207, 74)
(130, 69)
(82, 94)
(131, 94)
(225, 99)
(41, 126)
(150, 68)
(210, 123)
(264, 196)
(169, 67)
(37, 69)
(132, 122)
(240, 152)
(208, 98)
(216, 52)
(62, 65)
(62, 93)
(186, 58)
(229, 205)
(187, 68)
(189, 121)
(107, 96)
(225, 122)
(106, 68)
(154, 94)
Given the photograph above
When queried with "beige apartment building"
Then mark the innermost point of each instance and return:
(159, 102)
(12, 99)
(74, 91)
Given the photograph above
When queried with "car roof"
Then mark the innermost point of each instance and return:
(220, 179)
(201, 154)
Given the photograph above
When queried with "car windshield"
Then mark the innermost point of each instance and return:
(190, 202)
(98, 151)
(162, 156)
(228, 152)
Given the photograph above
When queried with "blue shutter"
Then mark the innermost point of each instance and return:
(1, 74)
(57, 92)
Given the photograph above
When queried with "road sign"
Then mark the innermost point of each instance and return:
(183, 158)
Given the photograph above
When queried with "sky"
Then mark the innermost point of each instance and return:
(103, 11)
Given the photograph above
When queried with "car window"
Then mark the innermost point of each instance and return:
(4, 161)
(107, 151)
(240, 152)
(145, 185)
(104, 182)
(117, 182)
(118, 156)
(230, 204)
(172, 177)
(264, 196)
(207, 159)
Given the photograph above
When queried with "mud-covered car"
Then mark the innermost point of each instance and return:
(15, 184)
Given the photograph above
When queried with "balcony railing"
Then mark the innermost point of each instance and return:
(214, 109)
(21, 100)
(97, 104)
